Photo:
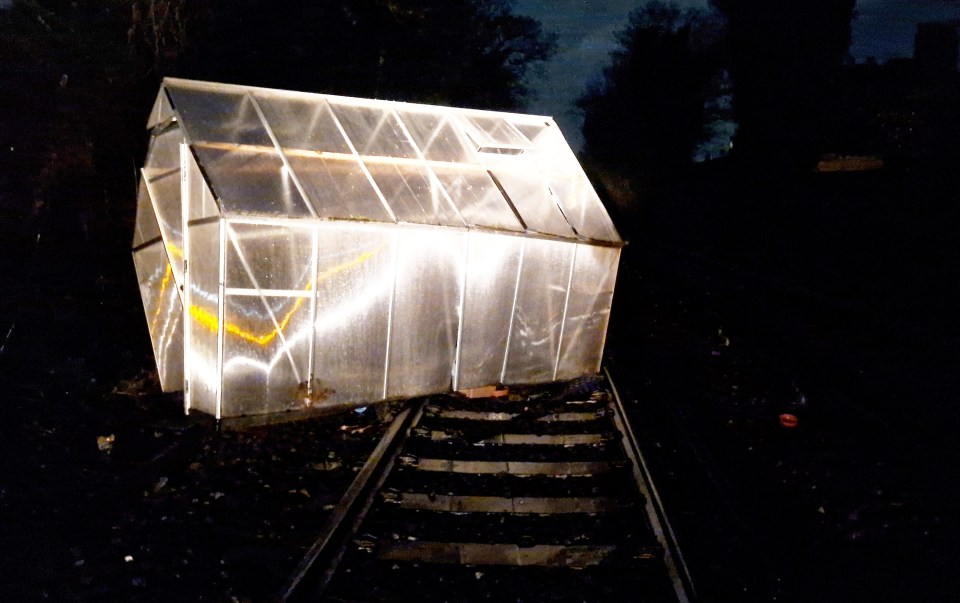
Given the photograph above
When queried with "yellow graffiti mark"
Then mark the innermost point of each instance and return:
(163, 289)
(211, 322)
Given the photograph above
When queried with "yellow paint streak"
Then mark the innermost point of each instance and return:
(167, 275)
(211, 322)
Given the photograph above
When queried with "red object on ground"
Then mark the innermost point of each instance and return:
(788, 420)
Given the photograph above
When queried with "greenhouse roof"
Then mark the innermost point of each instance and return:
(275, 153)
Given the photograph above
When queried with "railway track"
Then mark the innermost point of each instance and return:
(542, 495)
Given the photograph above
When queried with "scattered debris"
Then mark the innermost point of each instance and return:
(157, 487)
(486, 391)
(313, 392)
(105, 443)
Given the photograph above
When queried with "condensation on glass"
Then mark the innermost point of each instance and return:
(300, 251)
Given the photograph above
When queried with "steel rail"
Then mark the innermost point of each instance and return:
(672, 556)
(346, 517)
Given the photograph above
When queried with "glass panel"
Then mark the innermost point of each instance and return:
(147, 228)
(373, 131)
(532, 130)
(353, 303)
(338, 187)
(165, 193)
(425, 308)
(218, 116)
(535, 337)
(164, 153)
(164, 312)
(161, 112)
(251, 181)
(530, 195)
(568, 182)
(588, 311)
(477, 197)
(493, 133)
(411, 194)
(265, 369)
(279, 257)
(203, 299)
(583, 207)
(437, 139)
(321, 159)
(201, 203)
(492, 264)
(303, 123)
(235, 150)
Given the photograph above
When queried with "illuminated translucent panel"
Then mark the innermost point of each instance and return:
(265, 354)
(412, 194)
(164, 313)
(537, 320)
(244, 167)
(425, 309)
(302, 123)
(492, 263)
(203, 326)
(200, 201)
(224, 114)
(147, 229)
(164, 153)
(568, 182)
(161, 111)
(437, 138)
(165, 194)
(321, 159)
(354, 284)
(493, 134)
(588, 310)
(374, 131)
(251, 181)
(583, 207)
(532, 199)
(477, 198)
(270, 256)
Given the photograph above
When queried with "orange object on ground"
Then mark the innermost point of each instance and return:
(487, 391)
(788, 420)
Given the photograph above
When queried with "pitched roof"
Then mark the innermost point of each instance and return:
(291, 154)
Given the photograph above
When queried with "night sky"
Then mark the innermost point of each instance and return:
(586, 29)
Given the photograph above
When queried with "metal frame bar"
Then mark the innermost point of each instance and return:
(566, 305)
(672, 557)
(513, 311)
(221, 298)
(460, 317)
(393, 294)
(312, 353)
(185, 181)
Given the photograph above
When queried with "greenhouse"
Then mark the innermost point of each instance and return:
(300, 251)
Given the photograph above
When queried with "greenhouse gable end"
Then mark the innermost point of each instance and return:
(303, 250)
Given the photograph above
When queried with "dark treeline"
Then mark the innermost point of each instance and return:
(785, 60)
(459, 52)
(647, 112)
(78, 78)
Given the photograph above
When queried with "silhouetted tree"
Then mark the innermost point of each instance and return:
(461, 52)
(78, 78)
(648, 110)
(785, 61)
